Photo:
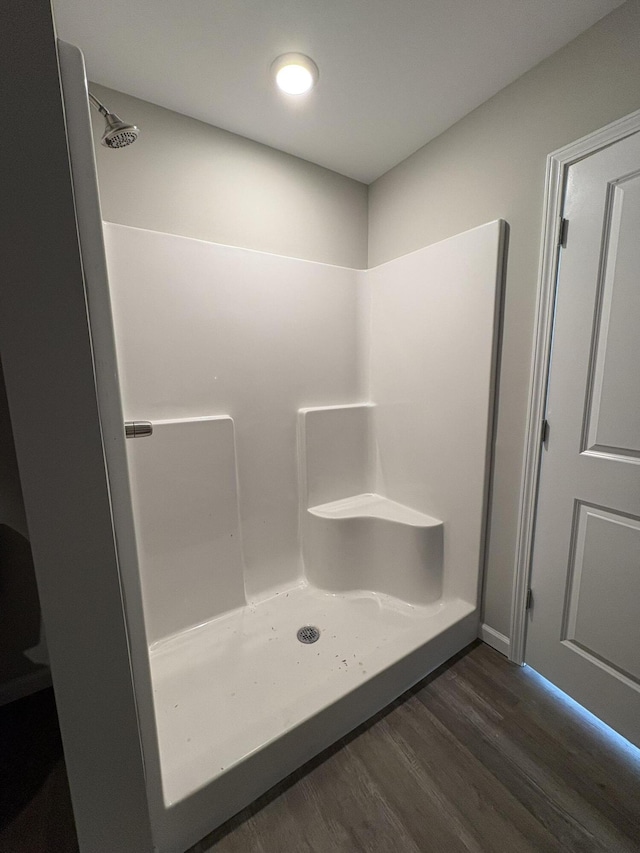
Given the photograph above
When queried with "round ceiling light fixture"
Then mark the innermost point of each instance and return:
(295, 73)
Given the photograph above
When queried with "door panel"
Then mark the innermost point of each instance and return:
(604, 588)
(614, 411)
(584, 626)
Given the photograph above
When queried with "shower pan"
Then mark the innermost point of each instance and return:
(300, 521)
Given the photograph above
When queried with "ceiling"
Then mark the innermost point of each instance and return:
(393, 73)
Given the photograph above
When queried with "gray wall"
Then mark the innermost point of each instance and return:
(48, 366)
(11, 504)
(186, 177)
(491, 165)
(19, 604)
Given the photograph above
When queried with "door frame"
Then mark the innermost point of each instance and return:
(558, 163)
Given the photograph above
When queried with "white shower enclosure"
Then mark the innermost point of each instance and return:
(319, 458)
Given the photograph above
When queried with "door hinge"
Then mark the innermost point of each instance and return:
(529, 602)
(544, 431)
(562, 235)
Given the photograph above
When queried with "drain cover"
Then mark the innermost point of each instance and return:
(308, 634)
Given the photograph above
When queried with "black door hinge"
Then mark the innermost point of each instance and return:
(544, 431)
(562, 235)
(529, 602)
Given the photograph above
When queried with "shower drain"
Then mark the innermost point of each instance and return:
(308, 634)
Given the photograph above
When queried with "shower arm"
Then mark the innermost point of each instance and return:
(100, 107)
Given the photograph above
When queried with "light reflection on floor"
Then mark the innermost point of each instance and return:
(617, 741)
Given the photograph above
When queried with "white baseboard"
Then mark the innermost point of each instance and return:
(495, 639)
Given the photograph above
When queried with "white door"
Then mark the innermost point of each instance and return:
(584, 623)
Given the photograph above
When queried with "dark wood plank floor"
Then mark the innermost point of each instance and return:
(478, 757)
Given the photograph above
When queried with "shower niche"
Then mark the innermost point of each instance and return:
(319, 458)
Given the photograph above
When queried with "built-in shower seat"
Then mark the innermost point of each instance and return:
(360, 539)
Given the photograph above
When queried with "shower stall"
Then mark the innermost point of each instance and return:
(299, 506)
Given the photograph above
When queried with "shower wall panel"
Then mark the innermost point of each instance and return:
(335, 447)
(203, 330)
(432, 349)
(185, 507)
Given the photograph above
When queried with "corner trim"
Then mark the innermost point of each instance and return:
(558, 162)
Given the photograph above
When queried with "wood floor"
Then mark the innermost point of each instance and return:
(478, 757)
(35, 806)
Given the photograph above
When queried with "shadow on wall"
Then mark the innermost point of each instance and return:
(23, 654)
(11, 502)
(20, 626)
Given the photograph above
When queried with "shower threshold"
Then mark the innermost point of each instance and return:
(225, 690)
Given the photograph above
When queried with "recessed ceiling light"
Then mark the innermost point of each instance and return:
(295, 73)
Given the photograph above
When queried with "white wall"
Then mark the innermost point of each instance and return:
(490, 165)
(205, 330)
(431, 366)
(221, 347)
(186, 177)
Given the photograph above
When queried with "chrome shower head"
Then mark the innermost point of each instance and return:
(117, 133)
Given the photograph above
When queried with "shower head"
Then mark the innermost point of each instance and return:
(117, 133)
